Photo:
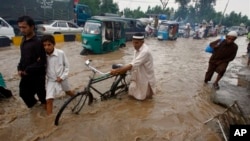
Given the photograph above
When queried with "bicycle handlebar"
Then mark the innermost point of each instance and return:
(87, 63)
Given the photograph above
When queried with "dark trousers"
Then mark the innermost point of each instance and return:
(213, 67)
(31, 85)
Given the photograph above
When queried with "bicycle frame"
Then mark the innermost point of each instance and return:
(110, 92)
(118, 86)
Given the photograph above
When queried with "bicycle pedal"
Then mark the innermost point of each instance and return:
(94, 99)
(104, 97)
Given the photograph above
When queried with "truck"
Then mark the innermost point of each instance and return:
(44, 10)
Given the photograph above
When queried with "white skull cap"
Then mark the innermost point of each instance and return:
(138, 36)
(232, 33)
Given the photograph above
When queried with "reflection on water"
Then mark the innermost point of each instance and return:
(176, 112)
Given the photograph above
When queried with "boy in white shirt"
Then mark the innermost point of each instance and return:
(57, 71)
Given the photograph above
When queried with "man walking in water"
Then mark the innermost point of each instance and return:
(142, 84)
(32, 64)
(224, 52)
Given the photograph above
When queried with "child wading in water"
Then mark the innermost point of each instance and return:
(57, 72)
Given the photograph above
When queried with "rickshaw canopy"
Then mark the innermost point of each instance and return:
(103, 34)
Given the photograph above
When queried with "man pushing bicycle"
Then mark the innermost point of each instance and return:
(142, 84)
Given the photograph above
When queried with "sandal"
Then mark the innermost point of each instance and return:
(216, 86)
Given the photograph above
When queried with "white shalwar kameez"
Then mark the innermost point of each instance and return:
(142, 74)
(57, 66)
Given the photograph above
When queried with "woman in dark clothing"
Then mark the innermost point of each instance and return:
(32, 65)
(224, 52)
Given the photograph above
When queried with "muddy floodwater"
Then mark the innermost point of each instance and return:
(176, 113)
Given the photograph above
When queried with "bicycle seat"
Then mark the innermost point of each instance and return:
(115, 66)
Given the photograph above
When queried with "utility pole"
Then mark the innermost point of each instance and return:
(223, 12)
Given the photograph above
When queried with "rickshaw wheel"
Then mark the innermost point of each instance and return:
(122, 45)
(85, 52)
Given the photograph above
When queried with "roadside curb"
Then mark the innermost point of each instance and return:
(58, 38)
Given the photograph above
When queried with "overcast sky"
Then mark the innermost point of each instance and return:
(242, 6)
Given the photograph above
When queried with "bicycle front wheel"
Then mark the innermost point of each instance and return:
(73, 106)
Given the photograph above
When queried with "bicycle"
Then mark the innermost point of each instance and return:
(75, 104)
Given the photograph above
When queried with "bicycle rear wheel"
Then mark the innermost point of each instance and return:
(73, 105)
(121, 85)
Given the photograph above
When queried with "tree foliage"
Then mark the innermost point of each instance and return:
(195, 13)
(101, 6)
(107, 6)
(204, 10)
(183, 3)
(93, 4)
(137, 13)
(235, 19)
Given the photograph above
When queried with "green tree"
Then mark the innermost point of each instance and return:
(107, 6)
(206, 9)
(203, 9)
(101, 6)
(183, 3)
(183, 11)
(235, 19)
(137, 13)
(93, 5)
(159, 10)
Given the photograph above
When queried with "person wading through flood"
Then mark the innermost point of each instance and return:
(224, 52)
(32, 64)
(57, 71)
(142, 83)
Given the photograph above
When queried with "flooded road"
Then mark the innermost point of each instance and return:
(176, 113)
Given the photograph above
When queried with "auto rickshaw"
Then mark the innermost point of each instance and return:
(102, 34)
(168, 30)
